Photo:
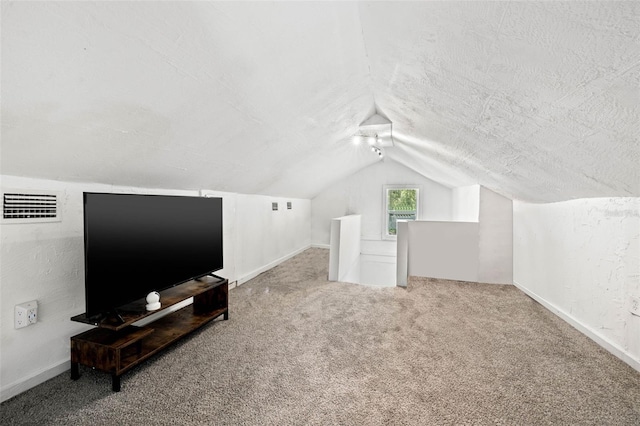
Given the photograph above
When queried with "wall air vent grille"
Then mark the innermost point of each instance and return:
(23, 206)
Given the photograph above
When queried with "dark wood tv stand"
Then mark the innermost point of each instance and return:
(115, 346)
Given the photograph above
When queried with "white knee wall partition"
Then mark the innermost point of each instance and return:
(345, 248)
(402, 257)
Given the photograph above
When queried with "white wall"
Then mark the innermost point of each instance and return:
(446, 250)
(495, 263)
(465, 203)
(266, 237)
(361, 193)
(478, 251)
(581, 259)
(44, 262)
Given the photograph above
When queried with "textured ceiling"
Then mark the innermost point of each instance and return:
(536, 100)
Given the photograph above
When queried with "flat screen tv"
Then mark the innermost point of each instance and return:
(135, 244)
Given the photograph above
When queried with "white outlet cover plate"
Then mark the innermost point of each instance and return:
(26, 314)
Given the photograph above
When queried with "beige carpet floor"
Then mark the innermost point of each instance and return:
(299, 350)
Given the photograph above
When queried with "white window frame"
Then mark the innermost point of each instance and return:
(385, 212)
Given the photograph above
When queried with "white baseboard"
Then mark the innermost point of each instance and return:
(322, 246)
(605, 343)
(243, 279)
(15, 388)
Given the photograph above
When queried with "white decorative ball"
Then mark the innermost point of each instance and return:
(153, 297)
(153, 301)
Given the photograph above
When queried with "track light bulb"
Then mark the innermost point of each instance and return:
(377, 151)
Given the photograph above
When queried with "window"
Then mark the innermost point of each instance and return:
(400, 203)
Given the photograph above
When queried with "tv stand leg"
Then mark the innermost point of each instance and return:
(75, 373)
(226, 316)
(115, 383)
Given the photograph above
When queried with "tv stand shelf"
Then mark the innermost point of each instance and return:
(115, 347)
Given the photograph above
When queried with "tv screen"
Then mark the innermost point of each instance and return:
(135, 244)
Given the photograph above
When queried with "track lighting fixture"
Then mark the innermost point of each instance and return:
(377, 150)
(376, 131)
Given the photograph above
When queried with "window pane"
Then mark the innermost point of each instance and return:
(401, 205)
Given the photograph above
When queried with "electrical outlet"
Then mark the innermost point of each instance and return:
(634, 306)
(26, 314)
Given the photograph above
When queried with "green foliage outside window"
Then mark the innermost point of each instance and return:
(402, 199)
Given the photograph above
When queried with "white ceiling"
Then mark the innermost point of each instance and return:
(536, 100)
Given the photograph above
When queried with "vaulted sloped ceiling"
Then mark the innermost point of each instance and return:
(536, 100)
(539, 100)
